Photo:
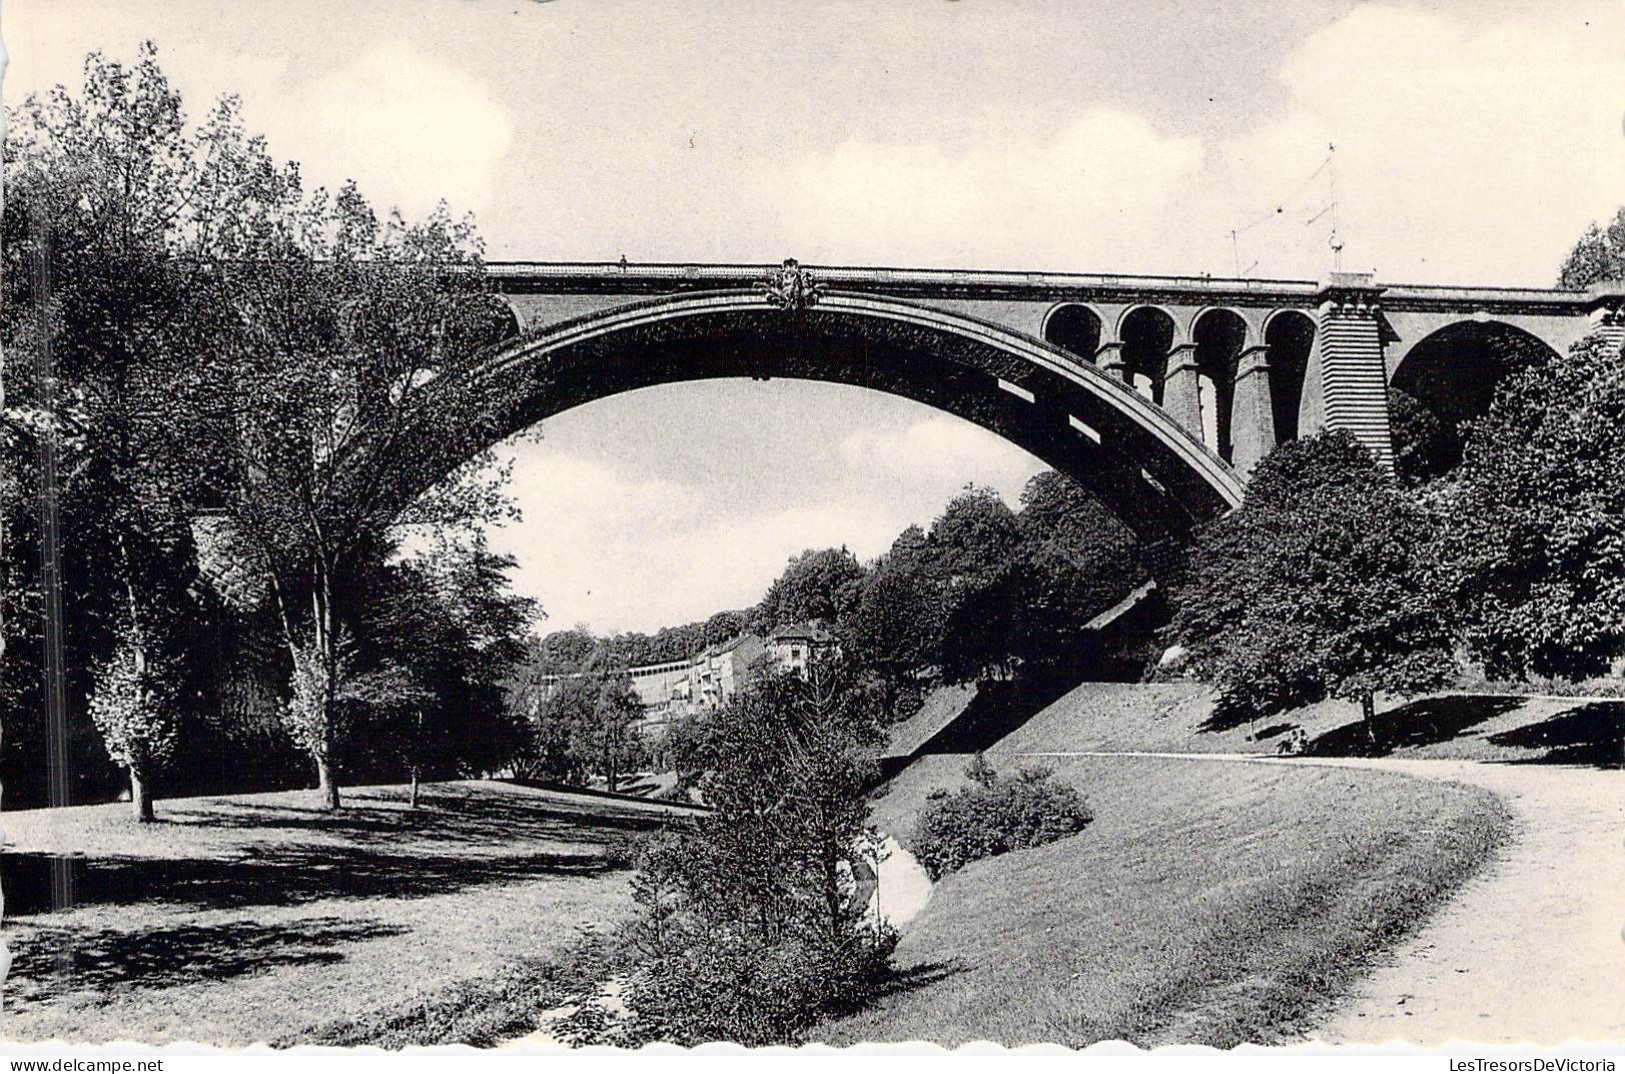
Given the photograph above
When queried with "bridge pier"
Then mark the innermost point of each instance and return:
(1182, 388)
(1353, 381)
(1252, 410)
(1110, 358)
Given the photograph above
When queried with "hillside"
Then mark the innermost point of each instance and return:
(1179, 718)
(1208, 902)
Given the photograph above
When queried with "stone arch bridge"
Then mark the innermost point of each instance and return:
(1159, 393)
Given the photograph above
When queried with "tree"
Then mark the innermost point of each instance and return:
(133, 706)
(895, 626)
(585, 719)
(1323, 583)
(819, 584)
(723, 626)
(975, 537)
(442, 635)
(1538, 519)
(102, 198)
(1598, 256)
(403, 702)
(782, 944)
(339, 385)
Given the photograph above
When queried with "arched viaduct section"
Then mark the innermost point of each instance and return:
(1157, 476)
(1238, 365)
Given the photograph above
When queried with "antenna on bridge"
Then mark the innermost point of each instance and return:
(1335, 241)
(1301, 199)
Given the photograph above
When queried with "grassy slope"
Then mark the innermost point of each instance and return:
(941, 707)
(1178, 718)
(258, 917)
(1209, 902)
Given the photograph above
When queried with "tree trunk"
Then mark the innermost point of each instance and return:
(325, 783)
(412, 802)
(1368, 712)
(327, 653)
(140, 798)
(832, 891)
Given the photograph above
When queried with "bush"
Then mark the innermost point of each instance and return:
(733, 985)
(994, 817)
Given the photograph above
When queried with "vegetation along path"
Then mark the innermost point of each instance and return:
(1530, 950)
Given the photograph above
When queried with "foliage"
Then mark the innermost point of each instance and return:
(444, 632)
(314, 724)
(1325, 582)
(290, 362)
(97, 193)
(583, 720)
(820, 584)
(749, 931)
(987, 590)
(1425, 446)
(1598, 256)
(133, 706)
(1537, 543)
(993, 817)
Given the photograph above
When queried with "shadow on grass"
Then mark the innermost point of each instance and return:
(999, 707)
(52, 961)
(1592, 735)
(279, 876)
(445, 817)
(926, 974)
(1412, 726)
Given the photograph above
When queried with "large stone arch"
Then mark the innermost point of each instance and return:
(1448, 378)
(1156, 476)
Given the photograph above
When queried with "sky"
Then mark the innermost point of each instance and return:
(1474, 141)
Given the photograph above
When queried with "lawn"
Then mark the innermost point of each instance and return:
(259, 917)
(1209, 902)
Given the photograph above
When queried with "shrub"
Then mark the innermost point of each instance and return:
(733, 985)
(995, 816)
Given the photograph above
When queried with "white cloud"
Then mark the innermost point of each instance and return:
(1084, 192)
(620, 551)
(407, 127)
(943, 451)
(1466, 150)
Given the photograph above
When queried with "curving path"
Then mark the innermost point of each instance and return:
(1532, 950)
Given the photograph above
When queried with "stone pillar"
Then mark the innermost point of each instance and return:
(1252, 411)
(1353, 378)
(1110, 358)
(1181, 391)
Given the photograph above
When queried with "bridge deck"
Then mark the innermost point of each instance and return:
(604, 277)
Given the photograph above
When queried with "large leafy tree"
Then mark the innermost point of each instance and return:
(1538, 510)
(784, 943)
(443, 633)
(289, 360)
(894, 627)
(1326, 582)
(820, 583)
(343, 381)
(106, 260)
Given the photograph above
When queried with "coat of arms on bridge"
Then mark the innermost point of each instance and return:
(791, 287)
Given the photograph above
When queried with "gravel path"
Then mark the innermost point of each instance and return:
(1530, 951)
